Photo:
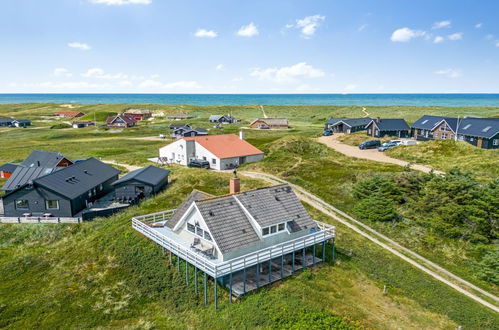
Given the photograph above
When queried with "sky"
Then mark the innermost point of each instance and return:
(229, 46)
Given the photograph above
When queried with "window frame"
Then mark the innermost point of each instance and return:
(52, 208)
(21, 208)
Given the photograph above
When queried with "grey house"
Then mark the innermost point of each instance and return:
(188, 131)
(61, 193)
(391, 127)
(347, 125)
(480, 132)
(141, 183)
(6, 122)
(21, 123)
(222, 119)
(423, 129)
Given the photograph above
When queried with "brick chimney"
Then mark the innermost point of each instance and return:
(235, 185)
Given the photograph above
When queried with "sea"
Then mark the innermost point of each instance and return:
(444, 100)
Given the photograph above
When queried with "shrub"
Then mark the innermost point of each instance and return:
(60, 126)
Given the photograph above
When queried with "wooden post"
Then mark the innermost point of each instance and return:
(216, 292)
(257, 275)
(333, 252)
(178, 263)
(313, 255)
(244, 280)
(304, 260)
(230, 287)
(186, 272)
(270, 269)
(293, 262)
(170, 253)
(282, 266)
(323, 251)
(196, 279)
(205, 290)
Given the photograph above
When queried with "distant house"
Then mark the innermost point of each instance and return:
(347, 125)
(62, 193)
(7, 169)
(188, 131)
(480, 132)
(180, 116)
(82, 124)
(141, 183)
(222, 151)
(269, 123)
(70, 114)
(139, 114)
(6, 122)
(391, 127)
(434, 128)
(222, 119)
(176, 126)
(21, 123)
(120, 121)
(37, 164)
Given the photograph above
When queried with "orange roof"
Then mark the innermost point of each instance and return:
(69, 113)
(225, 145)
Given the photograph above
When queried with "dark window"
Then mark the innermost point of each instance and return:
(52, 204)
(139, 189)
(22, 204)
(207, 236)
(265, 231)
(281, 227)
(213, 161)
(199, 231)
(273, 229)
(191, 228)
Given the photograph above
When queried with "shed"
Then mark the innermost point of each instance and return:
(141, 183)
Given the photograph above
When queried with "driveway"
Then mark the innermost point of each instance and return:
(369, 154)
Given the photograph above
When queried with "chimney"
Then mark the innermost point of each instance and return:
(235, 185)
(378, 120)
(242, 135)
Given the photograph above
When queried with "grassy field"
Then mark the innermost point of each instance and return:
(102, 274)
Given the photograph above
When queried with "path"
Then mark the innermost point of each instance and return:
(128, 167)
(365, 112)
(386, 243)
(370, 154)
(263, 111)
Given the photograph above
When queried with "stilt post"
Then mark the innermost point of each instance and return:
(293, 262)
(186, 272)
(244, 280)
(270, 270)
(303, 257)
(333, 252)
(170, 257)
(205, 290)
(313, 255)
(323, 251)
(216, 292)
(230, 287)
(196, 280)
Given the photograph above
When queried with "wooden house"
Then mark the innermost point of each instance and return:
(120, 121)
(21, 123)
(179, 116)
(142, 183)
(187, 130)
(6, 122)
(434, 128)
(481, 132)
(139, 114)
(347, 125)
(390, 127)
(270, 123)
(223, 119)
(70, 114)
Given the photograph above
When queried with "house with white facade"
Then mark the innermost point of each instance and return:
(244, 240)
(223, 151)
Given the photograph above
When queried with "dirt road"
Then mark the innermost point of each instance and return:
(369, 154)
(386, 243)
(128, 167)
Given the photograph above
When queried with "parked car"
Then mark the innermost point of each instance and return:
(409, 142)
(397, 142)
(386, 146)
(199, 163)
(371, 144)
(327, 132)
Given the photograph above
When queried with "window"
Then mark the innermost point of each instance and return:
(471, 139)
(442, 127)
(435, 135)
(22, 204)
(486, 128)
(199, 231)
(213, 161)
(204, 158)
(424, 121)
(444, 136)
(265, 231)
(52, 204)
(280, 227)
(495, 142)
(207, 236)
(461, 137)
(191, 228)
(273, 229)
(467, 126)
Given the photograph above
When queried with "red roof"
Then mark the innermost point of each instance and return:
(70, 113)
(225, 145)
(126, 118)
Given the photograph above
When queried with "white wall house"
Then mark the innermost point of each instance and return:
(222, 151)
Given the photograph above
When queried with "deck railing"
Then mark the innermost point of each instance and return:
(144, 225)
(40, 220)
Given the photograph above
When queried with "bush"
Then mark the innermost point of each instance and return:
(488, 268)
(60, 126)
(376, 207)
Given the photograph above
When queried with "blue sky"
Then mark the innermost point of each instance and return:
(162, 46)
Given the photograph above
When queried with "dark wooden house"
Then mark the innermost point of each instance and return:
(480, 132)
(6, 122)
(121, 121)
(347, 125)
(434, 128)
(391, 127)
(142, 183)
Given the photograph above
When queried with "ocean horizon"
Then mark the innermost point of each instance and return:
(444, 100)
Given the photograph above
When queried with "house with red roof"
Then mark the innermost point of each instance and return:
(70, 114)
(223, 151)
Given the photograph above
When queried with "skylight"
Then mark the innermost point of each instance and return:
(424, 121)
(486, 129)
(467, 126)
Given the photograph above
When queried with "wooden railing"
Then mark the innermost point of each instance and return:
(143, 224)
(40, 220)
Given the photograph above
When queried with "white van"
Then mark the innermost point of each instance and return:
(409, 142)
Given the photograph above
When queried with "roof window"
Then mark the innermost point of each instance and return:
(486, 129)
(424, 121)
(467, 126)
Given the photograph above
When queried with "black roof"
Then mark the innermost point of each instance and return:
(22, 121)
(9, 167)
(428, 122)
(391, 124)
(43, 158)
(150, 175)
(77, 179)
(480, 127)
(23, 175)
(352, 122)
(6, 120)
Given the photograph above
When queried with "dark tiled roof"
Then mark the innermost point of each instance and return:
(43, 158)
(127, 119)
(77, 179)
(227, 223)
(332, 120)
(428, 122)
(272, 121)
(352, 122)
(195, 195)
(392, 124)
(6, 120)
(23, 175)
(9, 167)
(150, 175)
(21, 121)
(479, 127)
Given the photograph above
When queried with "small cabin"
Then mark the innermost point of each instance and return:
(270, 123)
(391, 127)
(142, 183)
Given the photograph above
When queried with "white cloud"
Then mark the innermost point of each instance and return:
(438, 39)
(62, 72)
(121, 2)
(497, 43)
(451, 73)
(288, 73)
(362, 27)
(175, 86)
(79, 45)
(442, 24)
(456, 36)
(249, 30)
(98, 73)
(219, 67)
(405, 34)
(478, 25)
(202, 33)
(308, 25)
